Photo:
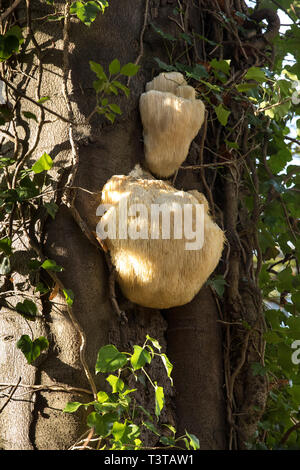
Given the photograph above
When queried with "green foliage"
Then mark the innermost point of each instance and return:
(10, 42)
(107, 85)
(32, 349)
(117, 418)
(270, 100)
(87, 11)
(44, 163)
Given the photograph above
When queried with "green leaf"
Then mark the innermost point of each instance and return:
(32, 349)
(118, 430)
(43, 99)
(115, 108)
(244, 87)
(159, 399)
(122, 87)
(102, 397)
(221, 65)
(98, 69)
(151, 427)
(5, 245)
(222, 114)
(218, 283)
(129, 69)
(40, 287)
(30, 115)
(194, 441)
(72, 406)
(111, 117)
(51, 265)
(164, 66)
(186, 38)
(257, 74)
(114, 67)
(110, 359)
(34, 264)
(116, 383)
(278, 161)
(51, 208)
(168, 441)
(258, 369)
(16, 31)
(86, 12)
(8, 46)
(164, 35)
(102, 424)
(154, 342)
(69, 296)
(168, 365)
(44, 163)
(140, 357)
(27, 309)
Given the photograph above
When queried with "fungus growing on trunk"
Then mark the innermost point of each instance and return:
(163, 242)
(171, 117)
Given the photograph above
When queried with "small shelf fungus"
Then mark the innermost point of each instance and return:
(163, 242)
(171, 117)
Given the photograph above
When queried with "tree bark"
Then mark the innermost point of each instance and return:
(192, 334)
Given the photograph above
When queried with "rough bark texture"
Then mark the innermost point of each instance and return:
(191, 334)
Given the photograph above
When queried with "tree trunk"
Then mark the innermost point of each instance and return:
(193, 335)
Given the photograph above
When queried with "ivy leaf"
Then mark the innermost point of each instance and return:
(32, 349)
(278, 161)
(218, 283)
(140, 357)
(27, 309)
(257, 74)
(69, 295)
(30, 115)
(5, 245)
(164, 66)
(102, 397)
(51, 208)
(86, 12)
(164, 35)
(168, 366)
(129, 69)
(151, 427)
(8, 46)
(159, 399)
(194, 441)
(51, 265)
(258, 369)
(154, 342)
(72, 406)
(44, 163)
(102, 423)
(116, 383)
(118, 430)
(110, 359)
(221, 65)
(222, 114)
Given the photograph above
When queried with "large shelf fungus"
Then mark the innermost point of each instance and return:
(171, 117)
(162, 251)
